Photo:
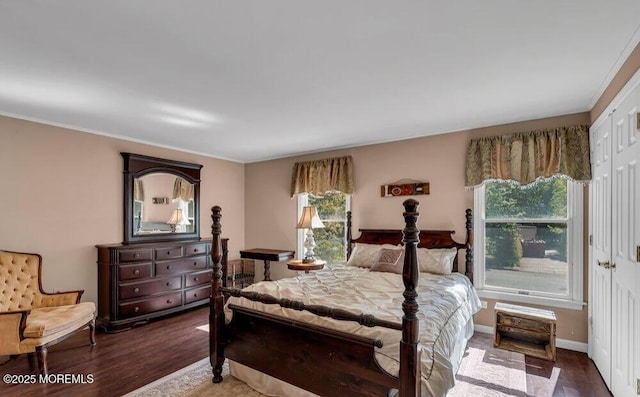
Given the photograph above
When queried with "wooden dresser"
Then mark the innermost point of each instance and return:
(137, 282)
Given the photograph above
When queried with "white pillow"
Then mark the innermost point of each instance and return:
(436, 260)
(365, 255)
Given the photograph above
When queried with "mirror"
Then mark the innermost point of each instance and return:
(161, 199)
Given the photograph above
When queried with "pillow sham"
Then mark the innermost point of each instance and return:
(389, 260)
(436, 260)
(365, 255)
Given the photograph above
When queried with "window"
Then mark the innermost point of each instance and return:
(528, 244)
(332, 239)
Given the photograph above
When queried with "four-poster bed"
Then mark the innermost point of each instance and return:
(336, 348)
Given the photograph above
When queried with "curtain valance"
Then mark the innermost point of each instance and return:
(182, 189)
(525, 156)
(320, 176)
(138, 190)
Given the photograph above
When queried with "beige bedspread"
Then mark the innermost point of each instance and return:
(447, 304)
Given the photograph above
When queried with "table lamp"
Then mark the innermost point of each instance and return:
(309, 220)
(177, 219)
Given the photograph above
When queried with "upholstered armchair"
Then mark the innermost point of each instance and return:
(31, 319)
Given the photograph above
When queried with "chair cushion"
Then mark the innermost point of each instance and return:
(50, 320)
(18, 280)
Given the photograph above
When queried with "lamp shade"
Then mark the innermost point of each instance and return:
(177, 218)
(309, 219)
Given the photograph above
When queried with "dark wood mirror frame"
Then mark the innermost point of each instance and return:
(136, 166)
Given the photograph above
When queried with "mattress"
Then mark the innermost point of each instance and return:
(446, 307)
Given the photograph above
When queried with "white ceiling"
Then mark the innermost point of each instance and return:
(254, 80)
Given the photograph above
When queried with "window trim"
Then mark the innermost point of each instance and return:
(303, 200)
(575, 240)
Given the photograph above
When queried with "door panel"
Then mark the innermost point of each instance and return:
(600, 276)
(625, 352)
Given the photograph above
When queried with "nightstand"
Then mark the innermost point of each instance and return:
(306, 267)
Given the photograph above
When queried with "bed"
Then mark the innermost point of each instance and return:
(350, 329)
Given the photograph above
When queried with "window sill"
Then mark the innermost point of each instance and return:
(531, 299)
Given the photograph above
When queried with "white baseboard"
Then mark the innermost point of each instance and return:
(483, 329)
(561, 343)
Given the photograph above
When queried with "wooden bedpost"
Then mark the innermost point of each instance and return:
(216, 307)
(410, 343)
(468, 262)
(349, 235)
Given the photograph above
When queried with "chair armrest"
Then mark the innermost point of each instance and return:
(12, 325)
(61, 298)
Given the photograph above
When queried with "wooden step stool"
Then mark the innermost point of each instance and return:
(526, 330)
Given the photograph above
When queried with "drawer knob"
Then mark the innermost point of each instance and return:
(195, 250)
(168, 252)
(136, 255)
(169, 301)
(195, 263)
(168, 267)
(136, 309)
(195, 295)
(195, 279)
(136, 272)
(169, 284)
(136, 290)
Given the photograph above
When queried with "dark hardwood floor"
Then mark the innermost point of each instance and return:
(125, 361)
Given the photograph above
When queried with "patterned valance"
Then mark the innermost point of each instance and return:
(138, 190)
(320, 176)
(182, 189)
(525, 156)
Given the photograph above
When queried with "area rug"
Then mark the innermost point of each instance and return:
(490, 373)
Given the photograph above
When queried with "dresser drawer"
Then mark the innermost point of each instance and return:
(150, 287)
(197, 294)
(196, 249)
(134, 271)
(169, 252)
(150, 305)
(182, 265)
(193, 279)
(137, 255)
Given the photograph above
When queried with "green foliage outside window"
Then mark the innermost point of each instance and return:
(544, 199)
(331, 240)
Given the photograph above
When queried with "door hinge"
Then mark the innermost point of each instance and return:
(638, 253)
(638, 121)
(638, 387)
(591, 239)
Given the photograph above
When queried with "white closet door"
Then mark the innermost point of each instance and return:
(625, 313)
(600, 275)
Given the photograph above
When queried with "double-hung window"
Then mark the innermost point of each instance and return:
(529, 239)
(331, 241)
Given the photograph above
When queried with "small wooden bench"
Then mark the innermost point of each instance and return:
(526, 330)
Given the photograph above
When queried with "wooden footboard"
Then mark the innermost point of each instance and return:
(316, 359)
(324, 361)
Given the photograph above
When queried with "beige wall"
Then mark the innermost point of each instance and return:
(271, 213)
(62, 194)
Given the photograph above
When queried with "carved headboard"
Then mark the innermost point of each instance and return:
(428, 239)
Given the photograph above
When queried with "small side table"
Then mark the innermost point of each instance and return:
(267, 255)
(306, 267)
